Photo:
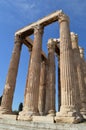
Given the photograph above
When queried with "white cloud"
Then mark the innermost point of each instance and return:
(78, 7)
(23, 5)
(31, 10)
(21, 11)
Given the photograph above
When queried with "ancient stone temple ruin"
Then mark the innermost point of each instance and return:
(39, 95)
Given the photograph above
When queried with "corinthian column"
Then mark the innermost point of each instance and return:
(30, 50)
(7, 99)
(82, 83)
(51, 76)
(41, 104)
(47, 101)
(81, 50)
(31, 99)
(68, 111)
(59, 84)
(77, 68)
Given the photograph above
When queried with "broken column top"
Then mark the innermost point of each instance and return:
(54, 42)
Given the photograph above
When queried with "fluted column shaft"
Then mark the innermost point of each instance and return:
(42, 85)
(77, 68)
(59, 85)
(47, 101)
(51, 75)
(82, 86)
(83, 62)
(7, 99)
(30, 50)
(68, 110)
(31, 105)
(66, 66)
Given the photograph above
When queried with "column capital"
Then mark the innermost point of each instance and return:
(74, 37)
(62, 17)
(18, 38)
(74, 40)
(81, 50)
(38, 29)
(51, 44)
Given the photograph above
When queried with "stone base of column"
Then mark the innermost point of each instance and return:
(51, 113)
(27, 116)
(5, 111)
(41, 113)
(83, 112)
(69, 116)
(43, 119)
(8, 116)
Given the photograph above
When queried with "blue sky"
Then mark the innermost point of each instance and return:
(19, 13)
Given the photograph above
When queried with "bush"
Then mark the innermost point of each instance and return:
(20, 107)
(0, 100)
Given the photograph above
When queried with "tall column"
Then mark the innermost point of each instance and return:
(81, 96)
(31, 99)
(51, 76)
(59, 85)
(30, 50)
(81, 50)
(47, 101)
(83, 62)
(76, 57)
(7, 99)
(42, 94)
(68, 111)
(82, 84)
